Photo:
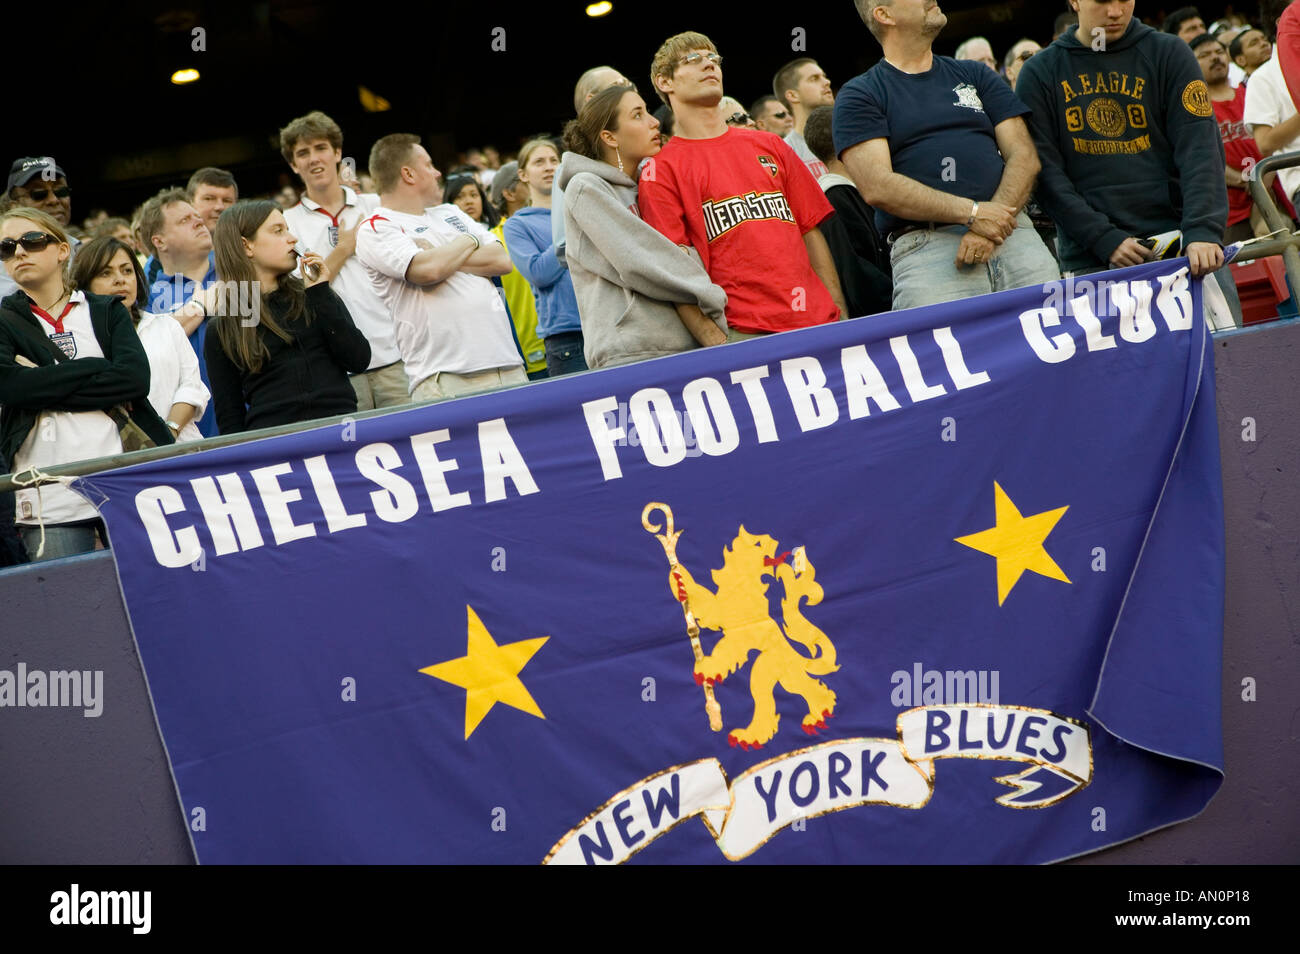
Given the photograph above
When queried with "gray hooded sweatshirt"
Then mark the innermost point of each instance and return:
(627, 276)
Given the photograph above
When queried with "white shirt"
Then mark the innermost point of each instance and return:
(62, 437)
(800, 146)
(458, 325)
(173, 370)
(1268, 103)
(317, 231)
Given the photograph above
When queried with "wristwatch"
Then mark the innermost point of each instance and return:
(974, 211)
(173, 426)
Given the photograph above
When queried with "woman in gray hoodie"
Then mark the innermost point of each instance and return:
(639, 295)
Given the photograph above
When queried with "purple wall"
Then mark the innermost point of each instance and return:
(75, 790)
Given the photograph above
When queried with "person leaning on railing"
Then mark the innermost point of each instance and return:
(74, 381)
(283, 346)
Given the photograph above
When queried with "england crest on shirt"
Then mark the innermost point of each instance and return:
(66, 342)
(968, 96)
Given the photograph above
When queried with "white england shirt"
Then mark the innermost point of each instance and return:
(458, 325)
(62, 437)
(317, 230)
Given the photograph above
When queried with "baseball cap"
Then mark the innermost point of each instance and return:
(505, 178)
(24, 170)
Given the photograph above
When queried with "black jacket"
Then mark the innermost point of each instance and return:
(81, 384)
(1128, 142)
(303, 380)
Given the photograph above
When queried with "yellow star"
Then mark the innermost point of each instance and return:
(489, 673)
(1017, 543)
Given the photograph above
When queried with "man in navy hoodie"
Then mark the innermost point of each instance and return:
(1128, 141)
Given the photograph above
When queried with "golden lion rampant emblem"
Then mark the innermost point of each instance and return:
(739, 609)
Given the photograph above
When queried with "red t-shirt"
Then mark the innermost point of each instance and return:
(1241, 153)
(744, 200)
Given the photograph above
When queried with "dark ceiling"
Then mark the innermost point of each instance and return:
(114, 121)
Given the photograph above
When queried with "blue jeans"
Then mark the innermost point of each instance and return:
(61, 540)
(564, 353)
(926, 272)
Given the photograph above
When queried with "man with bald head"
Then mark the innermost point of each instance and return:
(978, 49)
(589, 84)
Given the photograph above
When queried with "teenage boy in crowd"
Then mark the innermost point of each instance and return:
(741, 199)
(430, 267)
(1126, 133)
(212, 191)
(325, 220)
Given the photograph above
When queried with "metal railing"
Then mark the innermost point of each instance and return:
(1288, 245)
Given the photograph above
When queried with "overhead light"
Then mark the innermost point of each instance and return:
(372, 102)
(181, 77)
(599, 9)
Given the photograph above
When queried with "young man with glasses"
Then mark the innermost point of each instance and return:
(37, 182)
(741, 199)
(326, 220)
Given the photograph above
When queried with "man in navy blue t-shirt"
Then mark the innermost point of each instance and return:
(939, 148)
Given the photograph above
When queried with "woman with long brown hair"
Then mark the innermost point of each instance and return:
(73, 383)
(283, 347)
(639, 295)
(107, 266)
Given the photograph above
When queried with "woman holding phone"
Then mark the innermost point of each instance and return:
(283, 346)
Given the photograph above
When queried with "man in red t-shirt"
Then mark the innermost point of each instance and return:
(1239, 148)
(741, 198)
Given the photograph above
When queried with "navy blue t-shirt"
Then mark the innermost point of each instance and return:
(939, 125)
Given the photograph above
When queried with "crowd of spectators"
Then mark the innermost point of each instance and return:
(637, 232)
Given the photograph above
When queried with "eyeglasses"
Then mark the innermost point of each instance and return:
(30, 241)
(1025, 55)
(692, 58)
(38, 195)
(739, 119)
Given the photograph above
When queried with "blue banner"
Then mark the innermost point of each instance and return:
(943, 585)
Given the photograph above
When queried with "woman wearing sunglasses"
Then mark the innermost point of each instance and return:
(284, 346)
(73, 379)
(640, 296)
(107, 266)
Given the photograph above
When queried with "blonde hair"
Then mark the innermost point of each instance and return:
(673, 49)
(530, 147)
(48, 224)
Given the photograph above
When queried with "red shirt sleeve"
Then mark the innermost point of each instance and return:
(1288, 50)
(807, 200)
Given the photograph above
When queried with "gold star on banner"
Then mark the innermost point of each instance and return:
(489, 673)
(1017, 543)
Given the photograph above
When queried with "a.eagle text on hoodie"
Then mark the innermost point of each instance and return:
(1128, 143)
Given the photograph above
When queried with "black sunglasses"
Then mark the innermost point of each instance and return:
(38, 195)
(30, 241)
(739, 119)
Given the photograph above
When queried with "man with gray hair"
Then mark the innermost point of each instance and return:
(589, 84)
(978, 49)
(940, 149)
